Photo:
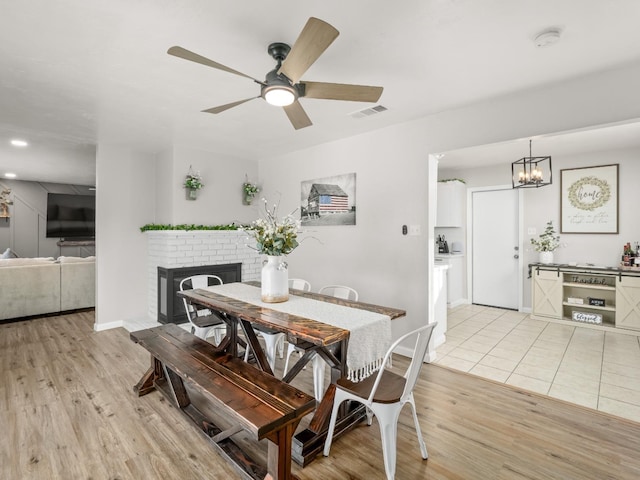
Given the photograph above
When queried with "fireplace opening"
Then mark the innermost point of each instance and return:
(170, 306)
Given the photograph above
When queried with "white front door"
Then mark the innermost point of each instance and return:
(495, 248)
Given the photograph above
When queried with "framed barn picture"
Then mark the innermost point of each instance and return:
(328, 201)
(589, 199)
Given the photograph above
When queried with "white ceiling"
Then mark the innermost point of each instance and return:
(78, 72)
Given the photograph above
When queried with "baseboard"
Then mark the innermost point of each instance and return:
(429, 357)
(457, 303)
(525, 309)
(98, 327)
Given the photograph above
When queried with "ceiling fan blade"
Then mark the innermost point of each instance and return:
(341, 91)
(297, 116)
(314, 39)
(222, 108)
(194, 57)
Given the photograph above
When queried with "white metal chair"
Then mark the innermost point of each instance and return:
(272, 341)
(340, 291)
(299, 284)
(203, 320)
(384, 395)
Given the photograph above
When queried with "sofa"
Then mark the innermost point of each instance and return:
(36, 286)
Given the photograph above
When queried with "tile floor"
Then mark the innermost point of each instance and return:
(594, 368)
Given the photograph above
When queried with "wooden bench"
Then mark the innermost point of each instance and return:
(250, 399)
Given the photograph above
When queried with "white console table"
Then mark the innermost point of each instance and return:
(604, 296)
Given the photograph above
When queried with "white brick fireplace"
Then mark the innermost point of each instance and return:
(178, 248)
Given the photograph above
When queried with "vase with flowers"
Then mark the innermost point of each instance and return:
(275, 237)
(547, 242)
(192, 183)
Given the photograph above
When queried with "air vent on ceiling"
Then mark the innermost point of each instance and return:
(367, 112)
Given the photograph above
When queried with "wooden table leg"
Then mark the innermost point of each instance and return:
(279, 454)
(258, 352)
(308, 443)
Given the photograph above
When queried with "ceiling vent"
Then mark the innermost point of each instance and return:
(367, 112)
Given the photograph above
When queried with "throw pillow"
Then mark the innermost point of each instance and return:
(8, 253)
(76, 259)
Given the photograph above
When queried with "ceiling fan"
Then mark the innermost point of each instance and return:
(282, 85)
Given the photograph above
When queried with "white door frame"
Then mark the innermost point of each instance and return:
(469, 255)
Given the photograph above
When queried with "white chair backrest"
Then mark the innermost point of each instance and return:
(340, 291)
(422, 334)
(299, 284)
(201, 281)
(198, 281)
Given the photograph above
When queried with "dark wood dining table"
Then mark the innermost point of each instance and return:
(315, 337)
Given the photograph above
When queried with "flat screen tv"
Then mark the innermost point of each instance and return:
(71, 216)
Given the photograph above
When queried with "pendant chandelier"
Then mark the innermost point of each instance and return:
(531, 172)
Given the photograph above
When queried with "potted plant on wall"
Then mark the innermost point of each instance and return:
(249, 190)
(547, 242)
(192, 183)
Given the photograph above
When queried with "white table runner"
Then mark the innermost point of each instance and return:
(370, 335)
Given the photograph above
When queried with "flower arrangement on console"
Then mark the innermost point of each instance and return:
(548, 240)
(274, 236)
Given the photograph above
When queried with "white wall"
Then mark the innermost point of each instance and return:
(594, 100)
(386, 267)
(125, 200)
(220, 200)
(392, 183)
(543, 204)
(165, 187)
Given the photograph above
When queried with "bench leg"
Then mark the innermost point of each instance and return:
(146, 383)
(179, 393)
(279, 454)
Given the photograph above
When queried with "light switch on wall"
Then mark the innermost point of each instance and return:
(531, 231)
(414, 229)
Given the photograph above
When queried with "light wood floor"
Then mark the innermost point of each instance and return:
(67, 411)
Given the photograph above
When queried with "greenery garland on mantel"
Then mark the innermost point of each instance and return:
(186, 227)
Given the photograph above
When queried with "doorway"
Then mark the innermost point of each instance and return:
(495, 247)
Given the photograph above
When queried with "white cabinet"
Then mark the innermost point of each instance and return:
(547, 294)
(608, 297)
(440, 294)
(628, 303)
(451, 204)
(455, 278)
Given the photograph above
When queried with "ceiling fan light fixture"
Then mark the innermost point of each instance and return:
(279, 96)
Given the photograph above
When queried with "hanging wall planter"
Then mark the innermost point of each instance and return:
(192, 183)
(191, 193)
(249, 191)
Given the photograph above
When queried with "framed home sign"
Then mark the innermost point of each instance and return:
(589, 199)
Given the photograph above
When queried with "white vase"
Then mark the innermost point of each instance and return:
(275, 279)
(546, 257)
